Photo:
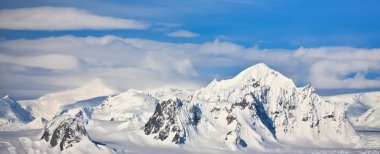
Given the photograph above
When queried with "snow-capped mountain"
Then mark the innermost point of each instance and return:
(68, 129)
(370, 119)
(12, 115)
(258, 110)
(131, 105)
(65, 130)
(363, 109)
(264, 100)
(49, 105)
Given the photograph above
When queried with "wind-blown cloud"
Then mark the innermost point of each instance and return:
(61, 18)
(141, 63)
(183, 34)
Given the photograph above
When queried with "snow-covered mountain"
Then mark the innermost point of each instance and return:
(49, 105)
(370, 119)
(259, 110)
(12, 115)
(131, 105)
(363, 109)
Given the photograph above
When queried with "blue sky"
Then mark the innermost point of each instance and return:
(269, 23)
(308, 36)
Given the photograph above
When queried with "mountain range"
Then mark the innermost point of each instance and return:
(259, 110)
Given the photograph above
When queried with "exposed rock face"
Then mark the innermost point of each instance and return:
(65, 130)
(173, 118)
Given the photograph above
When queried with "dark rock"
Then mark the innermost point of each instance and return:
(230, 119)
(64, 131)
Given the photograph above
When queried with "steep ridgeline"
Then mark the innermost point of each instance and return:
(257, 108)
(12, 115)
(67, 129)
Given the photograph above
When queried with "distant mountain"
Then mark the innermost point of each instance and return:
(370, 119)
(130, 105)
(90, 94)
(12, 115)
(363, 109)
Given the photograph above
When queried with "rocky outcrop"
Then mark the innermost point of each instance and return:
(172, 118)
(65, 130)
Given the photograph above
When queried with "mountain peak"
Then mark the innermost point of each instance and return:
(258, 71)
(259, 75)
(12, 114)
(259, 66)
(9, 99)
(6, 97)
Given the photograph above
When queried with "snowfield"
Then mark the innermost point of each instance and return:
(258, 111)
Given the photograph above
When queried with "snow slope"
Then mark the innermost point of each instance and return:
(12, 115)
(130, 105)
(363, 109)
(370, 119)
(49, 105)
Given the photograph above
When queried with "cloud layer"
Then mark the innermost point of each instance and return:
(61, 18)
(183, 34)
(33, 67)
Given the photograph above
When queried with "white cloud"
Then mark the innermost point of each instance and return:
(61, 18)
(332, 73)
(169, 25)
(141, 63)
(128, 63)
(48, 61)
(183, 34)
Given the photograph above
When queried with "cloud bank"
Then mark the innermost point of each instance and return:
(34, 67)
(183, 34)
(61, 18)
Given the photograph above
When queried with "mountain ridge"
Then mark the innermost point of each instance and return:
(12, 115)
(257, 110)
